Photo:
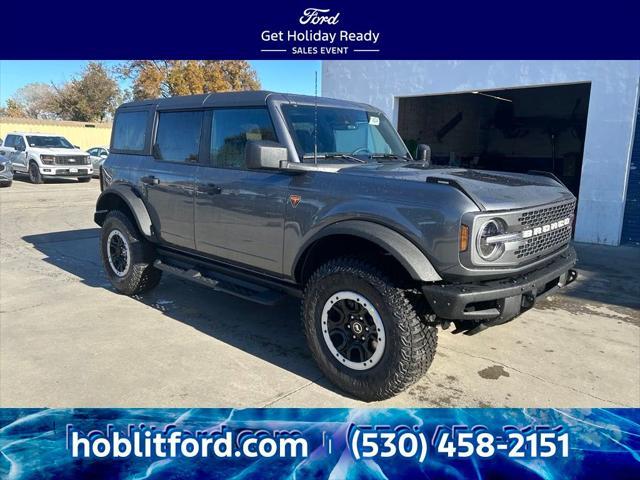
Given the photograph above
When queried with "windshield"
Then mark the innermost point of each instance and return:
(40, 141)
(343, 132)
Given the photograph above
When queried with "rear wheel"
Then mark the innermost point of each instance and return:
(365, 333)
(84, 179)
(34, 173)
(127, 256)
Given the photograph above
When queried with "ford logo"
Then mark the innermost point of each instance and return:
(313, 16)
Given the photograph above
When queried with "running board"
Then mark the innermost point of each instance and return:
(224, 283)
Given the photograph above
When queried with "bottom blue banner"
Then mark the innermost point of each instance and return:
(319, 443)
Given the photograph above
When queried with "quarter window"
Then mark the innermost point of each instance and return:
(231, 129)
(130, 131)
(178, 137)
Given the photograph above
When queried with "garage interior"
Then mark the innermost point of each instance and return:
(515, 130)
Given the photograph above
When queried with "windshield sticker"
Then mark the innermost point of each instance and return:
(374, 120)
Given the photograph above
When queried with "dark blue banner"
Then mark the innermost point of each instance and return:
(320, 443)
(324, 29)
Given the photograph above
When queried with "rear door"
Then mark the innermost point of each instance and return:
(239, 213)
(169, 178)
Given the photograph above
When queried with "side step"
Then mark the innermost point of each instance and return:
(224, 283)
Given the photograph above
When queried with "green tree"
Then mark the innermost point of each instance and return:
(166, 78)
(91, 97)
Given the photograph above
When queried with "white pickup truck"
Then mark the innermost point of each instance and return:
(43, 156)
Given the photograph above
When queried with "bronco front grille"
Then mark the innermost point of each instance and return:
(547, 215)
(71, 160)
(540, 244)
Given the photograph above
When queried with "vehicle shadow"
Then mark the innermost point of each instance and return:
(273, 334)
(24, 178)
(607, 275)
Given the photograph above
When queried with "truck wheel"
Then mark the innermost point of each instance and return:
(84, 179)
(34, 173)
(6, 184)
(365, 333)
(127, 256)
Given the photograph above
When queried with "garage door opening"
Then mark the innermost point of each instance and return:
(514, 130)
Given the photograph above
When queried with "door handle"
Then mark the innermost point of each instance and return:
(150, 180)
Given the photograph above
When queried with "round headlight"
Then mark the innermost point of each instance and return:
(489, 249)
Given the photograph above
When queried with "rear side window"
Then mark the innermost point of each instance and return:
(130, 131)
(231, 129)
(178, 136)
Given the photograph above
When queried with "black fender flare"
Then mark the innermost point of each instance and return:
(129, 196)
(401, 248)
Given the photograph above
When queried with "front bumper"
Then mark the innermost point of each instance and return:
(476, 306)
(80, 171)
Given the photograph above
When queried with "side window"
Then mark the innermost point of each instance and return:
(19, 142)
(178, 136)
(10, 141)
(93, 152)
(130, 131)
(231, 129)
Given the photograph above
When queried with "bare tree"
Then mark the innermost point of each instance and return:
(34, 100)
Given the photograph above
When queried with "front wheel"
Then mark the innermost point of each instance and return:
(127, 256)
(34, 173)
(365, 333)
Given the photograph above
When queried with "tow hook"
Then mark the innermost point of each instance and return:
(570, 276)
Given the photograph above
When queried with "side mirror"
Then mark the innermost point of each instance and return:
(20, 148)
(423, 153)
(264, 154)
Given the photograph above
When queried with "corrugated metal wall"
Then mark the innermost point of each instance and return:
(83, 134)
(631, 224)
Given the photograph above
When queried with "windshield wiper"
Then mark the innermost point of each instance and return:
(387, 156)
(326, 156)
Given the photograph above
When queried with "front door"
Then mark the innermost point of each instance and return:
(19, 155)
(168, 178)
(239, 213)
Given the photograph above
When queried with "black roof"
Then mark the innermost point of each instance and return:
(239, 99)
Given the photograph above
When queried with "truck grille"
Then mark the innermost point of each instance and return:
(542, 243)
(552, 240)
(71, 160)
(544, 216)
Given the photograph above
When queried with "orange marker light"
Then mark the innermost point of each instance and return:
(464, 238)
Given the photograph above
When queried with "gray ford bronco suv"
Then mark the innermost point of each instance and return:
(260, 194)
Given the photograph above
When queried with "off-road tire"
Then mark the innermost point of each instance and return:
(142, 276)
(34, 173)
(84, 179)
(410, 342)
